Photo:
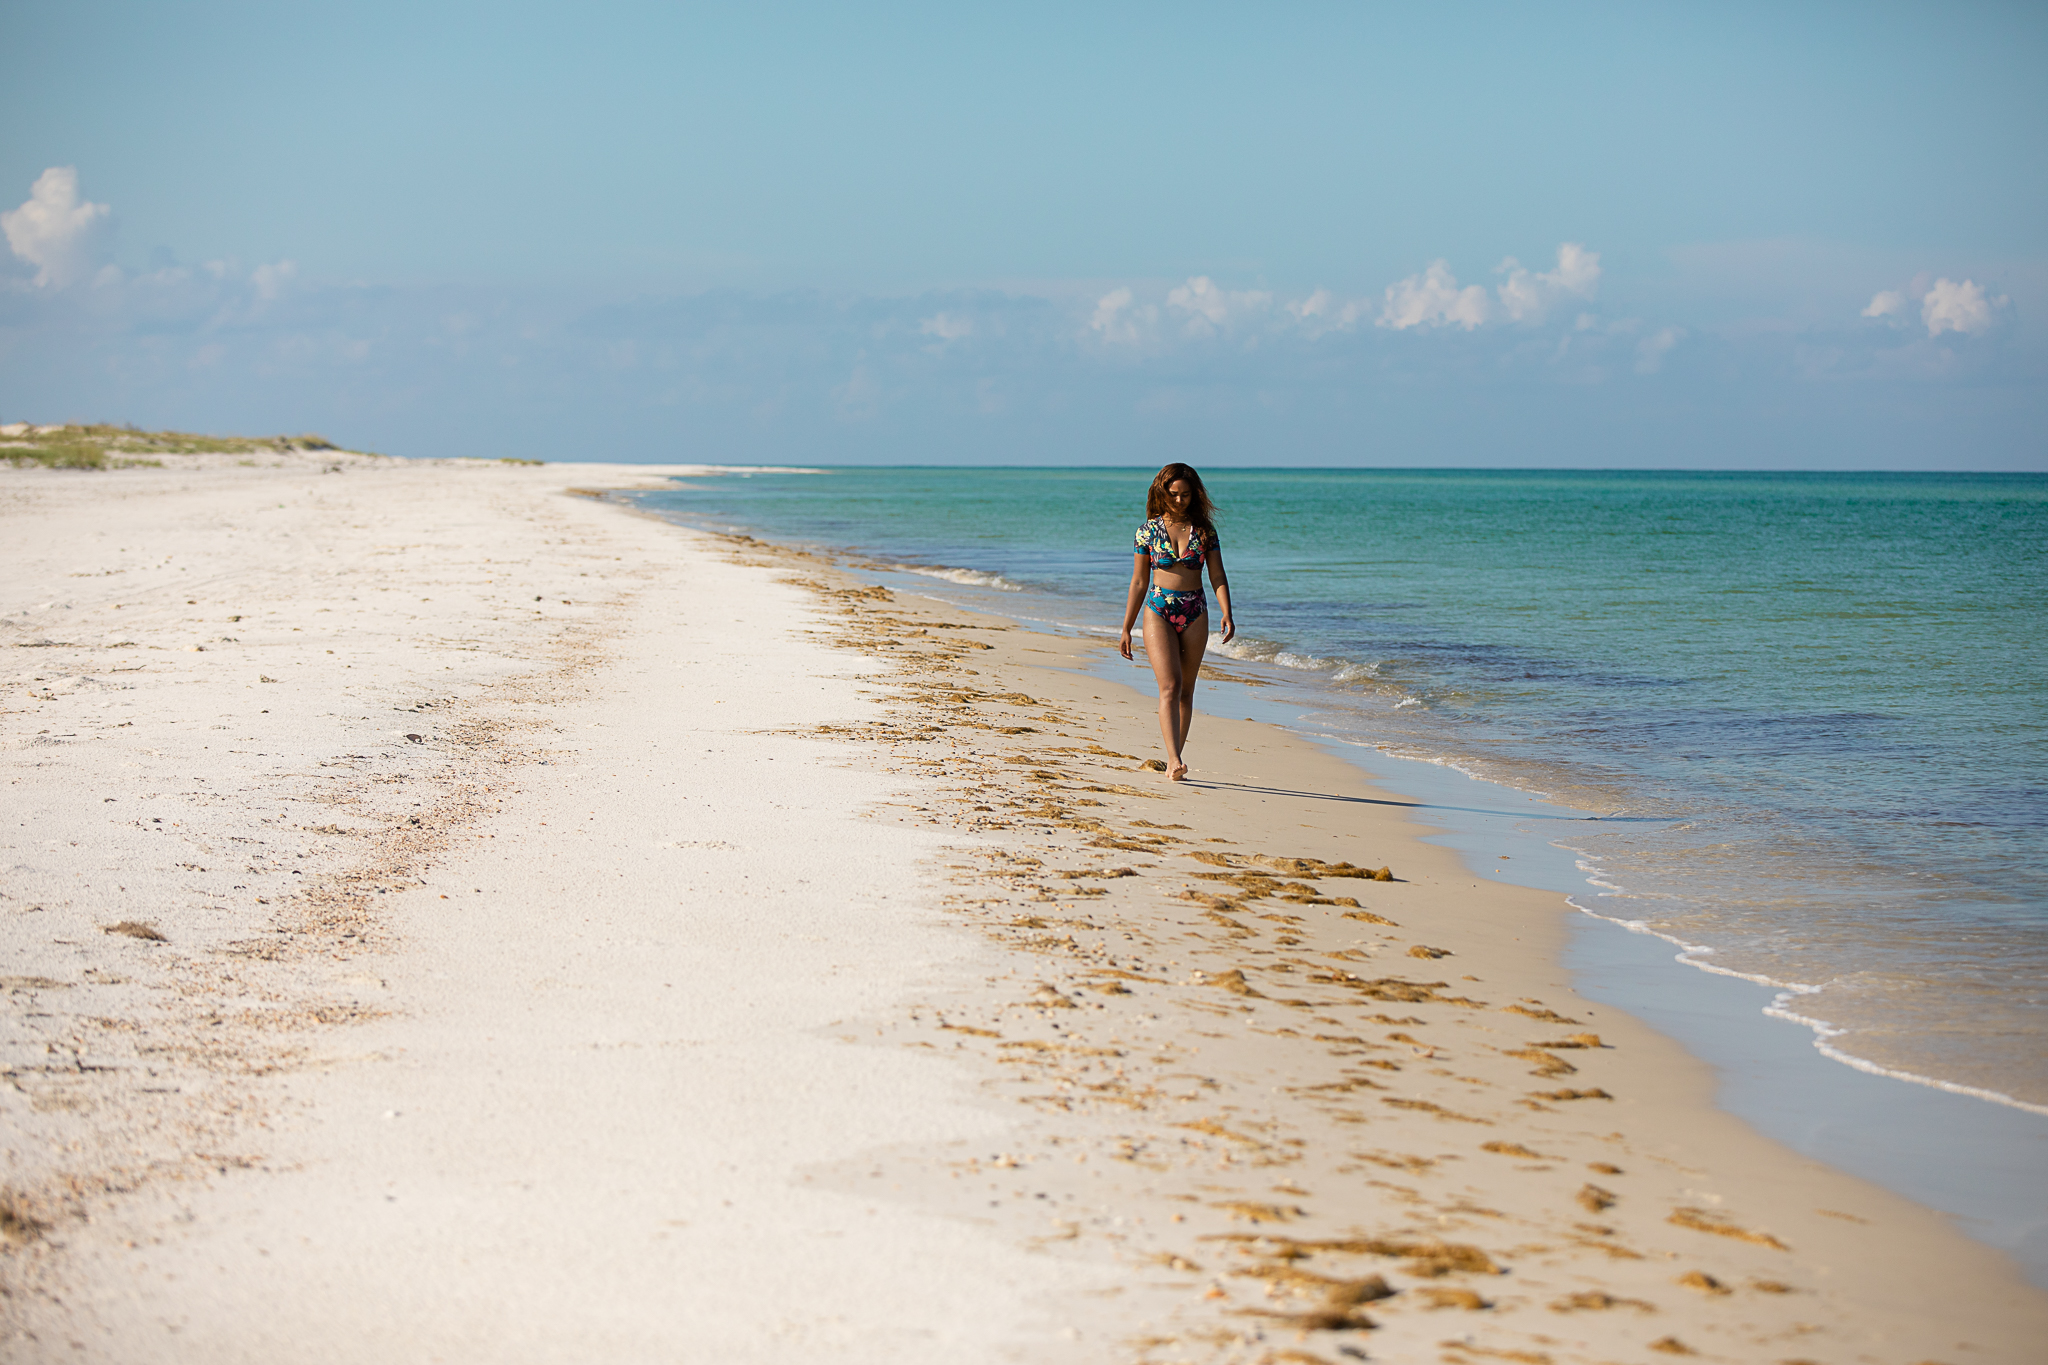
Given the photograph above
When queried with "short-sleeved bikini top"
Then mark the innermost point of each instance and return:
(1155, 540)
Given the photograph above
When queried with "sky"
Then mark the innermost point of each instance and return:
(1715, 235)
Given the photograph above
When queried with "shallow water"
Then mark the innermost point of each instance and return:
(1808, 708)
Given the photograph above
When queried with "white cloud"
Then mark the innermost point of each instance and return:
(1320, 312)
(1525, 296)
(1117, 319)
(1952, 307)
(1317, 305)
(1945, 306)
(1433, 299)
(1212, 309)
(1652, 349)
(947, 326)
(54, 231)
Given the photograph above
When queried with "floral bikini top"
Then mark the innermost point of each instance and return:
(1155, 540)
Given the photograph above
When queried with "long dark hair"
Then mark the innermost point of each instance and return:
(1201, 512)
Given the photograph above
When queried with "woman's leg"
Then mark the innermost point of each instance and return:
(1163, 652)
(1194, 642)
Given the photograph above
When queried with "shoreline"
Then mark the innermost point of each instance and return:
(1207, 1092)
(1785, 1083)
(1916, 929)
(1907, 1149)
(1778, 1080)
(1995, 1223)
(1303, 752)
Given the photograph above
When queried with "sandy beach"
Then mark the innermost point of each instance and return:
(592, 939)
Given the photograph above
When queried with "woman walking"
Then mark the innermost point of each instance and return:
(1177, 539)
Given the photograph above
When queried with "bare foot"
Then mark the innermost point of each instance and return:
(1177, 773)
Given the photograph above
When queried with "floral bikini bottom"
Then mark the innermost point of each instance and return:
(1177, 608)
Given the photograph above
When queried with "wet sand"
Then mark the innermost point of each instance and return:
(629, 943)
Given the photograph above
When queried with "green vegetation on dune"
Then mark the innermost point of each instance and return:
(97, 446)
(62, 455)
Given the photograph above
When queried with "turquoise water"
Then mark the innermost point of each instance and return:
(1811, 708)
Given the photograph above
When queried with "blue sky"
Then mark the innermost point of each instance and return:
(1694, 235)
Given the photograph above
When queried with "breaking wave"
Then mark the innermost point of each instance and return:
(1252, 649)
(972, 578)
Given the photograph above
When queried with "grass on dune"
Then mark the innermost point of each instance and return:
(98, 446)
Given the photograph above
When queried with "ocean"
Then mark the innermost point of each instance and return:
(1809, 711)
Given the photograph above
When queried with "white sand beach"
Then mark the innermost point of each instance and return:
(449, 916)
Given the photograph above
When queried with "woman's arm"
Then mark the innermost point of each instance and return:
(1222, 582)
(1134, 600)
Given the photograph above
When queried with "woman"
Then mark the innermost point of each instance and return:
(1177, 539)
